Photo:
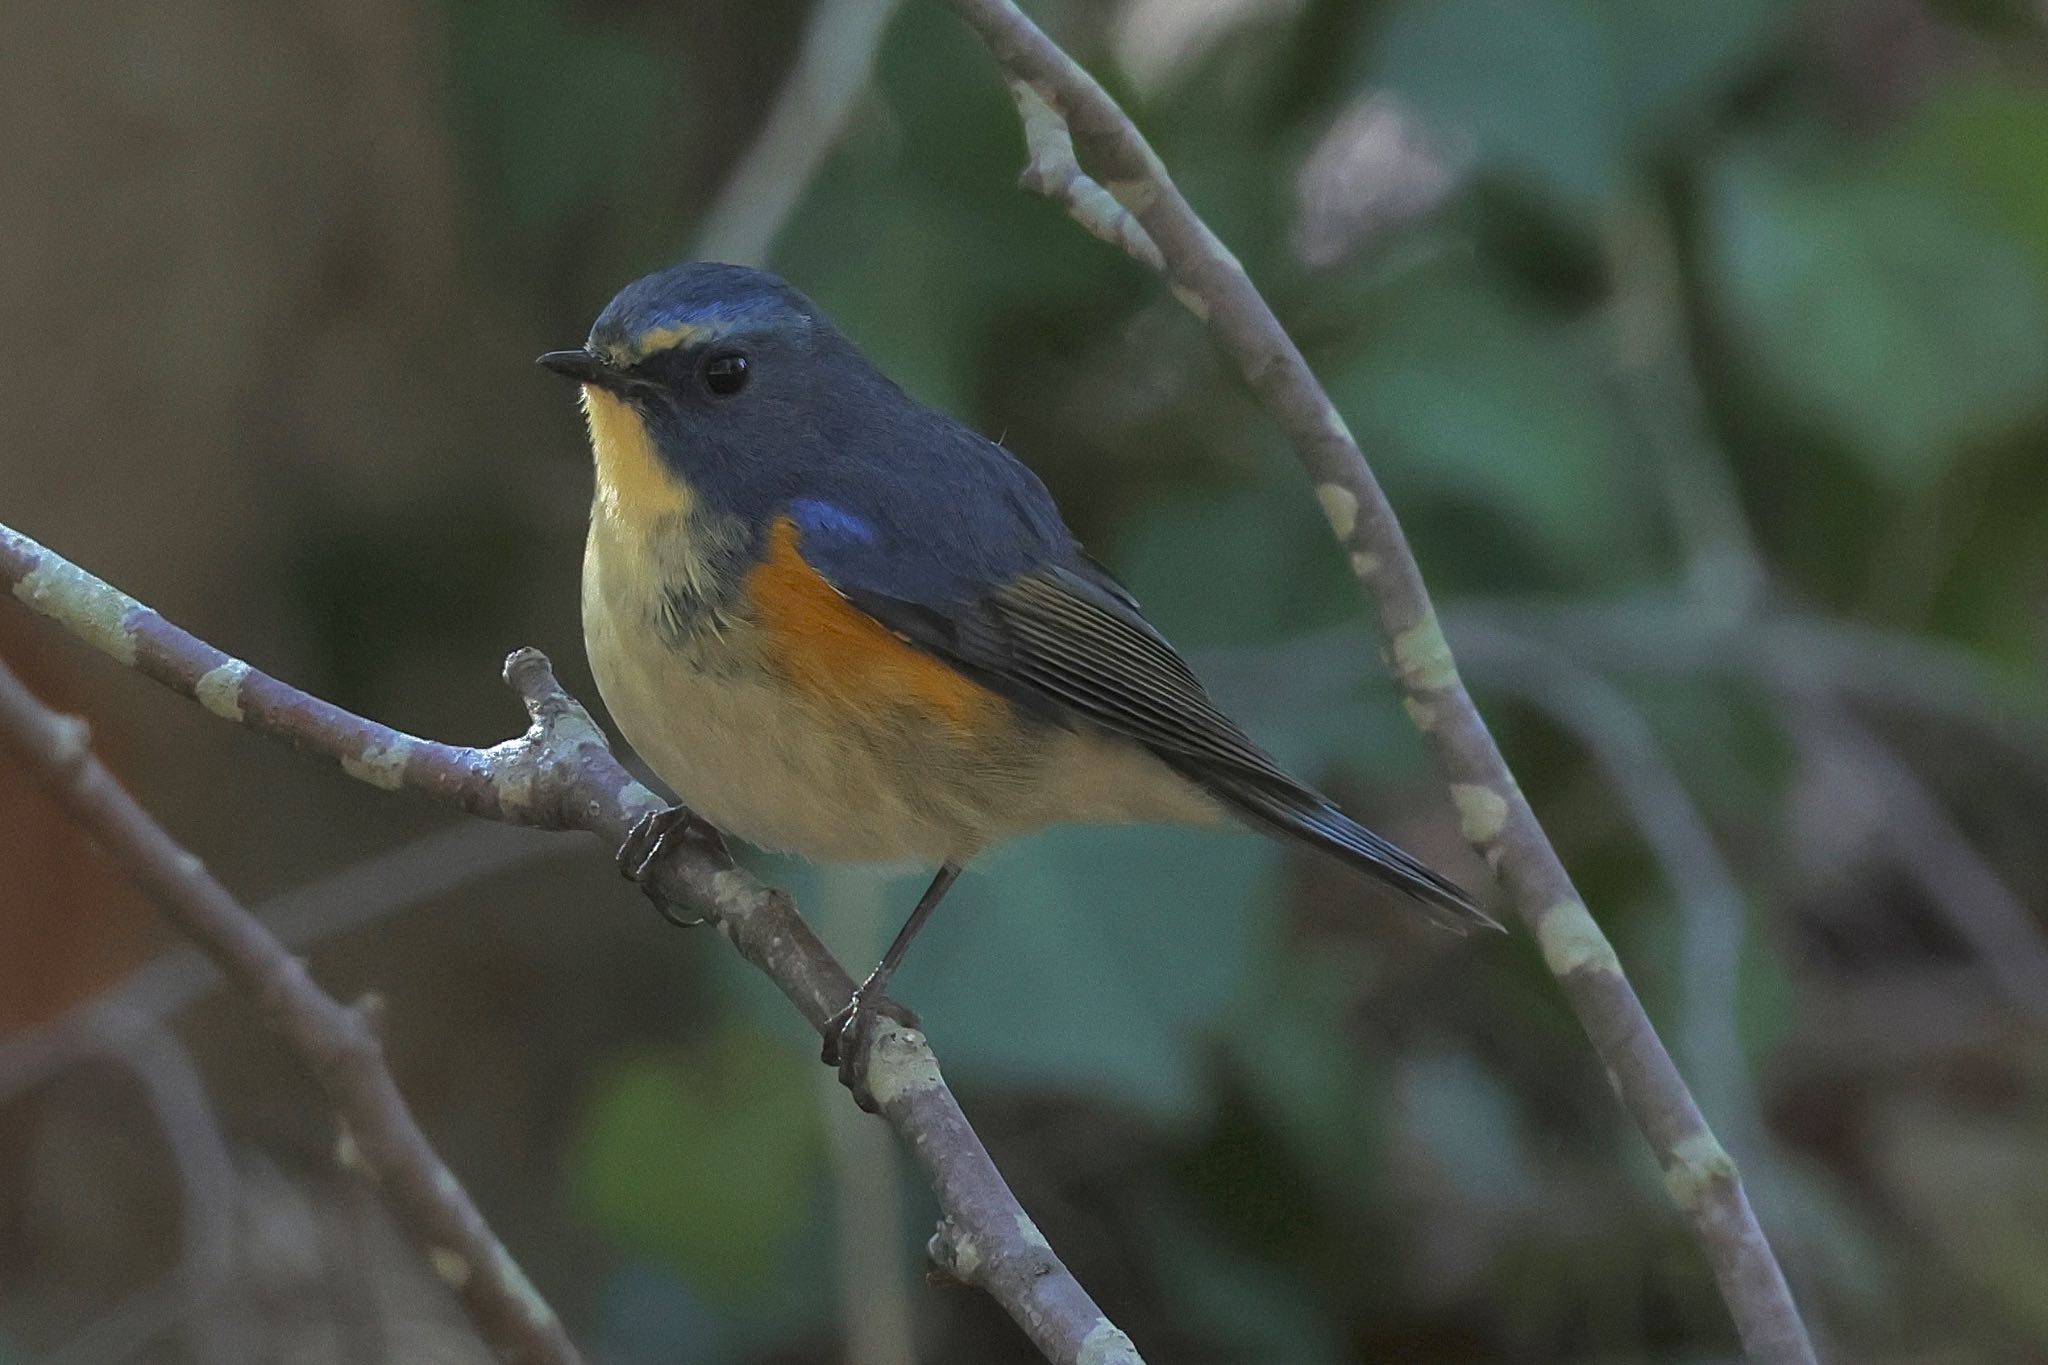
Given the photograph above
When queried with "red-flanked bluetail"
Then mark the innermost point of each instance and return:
(840, 624)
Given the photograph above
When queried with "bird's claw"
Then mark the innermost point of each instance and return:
(651, 839)
(850, 1034)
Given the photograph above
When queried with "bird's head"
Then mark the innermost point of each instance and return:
(714, 380)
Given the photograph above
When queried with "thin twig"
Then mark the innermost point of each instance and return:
(1728, 581)
(1494, 816)
(1925, 843)
(562, 775)
(1795, 652)
(874, 1277)
(1670, 635)
(337, 1042)
(210, 1188)
(1725, 570)
(831, 69)
(209, 1193)
(382, 884)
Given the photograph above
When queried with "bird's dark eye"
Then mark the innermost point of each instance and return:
(725, 374)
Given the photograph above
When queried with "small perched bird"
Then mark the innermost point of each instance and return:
(839, 624)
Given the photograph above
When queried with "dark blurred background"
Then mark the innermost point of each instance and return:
(1704, 347)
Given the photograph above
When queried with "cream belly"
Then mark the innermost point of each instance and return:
(761, 761)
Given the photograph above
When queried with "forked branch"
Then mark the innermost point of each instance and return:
(561, 775)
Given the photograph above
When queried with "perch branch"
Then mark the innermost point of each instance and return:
(561, 775)
(336, 1042)
(1494, 816)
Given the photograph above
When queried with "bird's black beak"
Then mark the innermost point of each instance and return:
(581, 366)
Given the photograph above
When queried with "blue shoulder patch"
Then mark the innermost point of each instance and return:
(829, 521)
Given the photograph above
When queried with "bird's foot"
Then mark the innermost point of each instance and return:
(850, 1034)
(657, 833)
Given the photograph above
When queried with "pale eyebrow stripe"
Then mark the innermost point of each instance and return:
(655, 340)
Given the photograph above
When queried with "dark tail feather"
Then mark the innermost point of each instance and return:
(1305, 817)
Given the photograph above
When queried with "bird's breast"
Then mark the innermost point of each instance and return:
(763, 736)
(785, 716)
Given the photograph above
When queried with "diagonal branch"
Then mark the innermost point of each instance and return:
(336, 1042)
(1494, 816)
(1615, 734)
(1052, 171)
(561, 775)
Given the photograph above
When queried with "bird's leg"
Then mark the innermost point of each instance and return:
(649, 842)
(847, 1033)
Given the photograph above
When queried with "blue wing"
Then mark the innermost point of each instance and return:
(943, 517)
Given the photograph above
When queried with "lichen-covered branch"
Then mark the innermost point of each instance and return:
(561, 774)
(337, 1042)
(1052, 171)
(1114, 157)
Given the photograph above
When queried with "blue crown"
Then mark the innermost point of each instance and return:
(692, 303)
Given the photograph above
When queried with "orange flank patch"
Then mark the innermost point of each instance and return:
(836, 652)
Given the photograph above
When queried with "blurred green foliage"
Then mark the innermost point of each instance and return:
(552, 113)
(1908, 355)
(722, 1137)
